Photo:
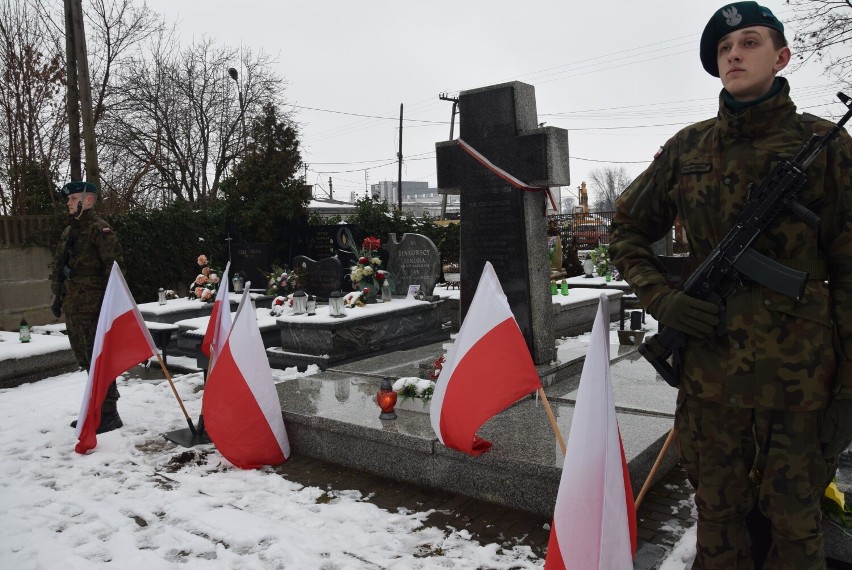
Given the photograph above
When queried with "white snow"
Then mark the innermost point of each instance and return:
(138, 501)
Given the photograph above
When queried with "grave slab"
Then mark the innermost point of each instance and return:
(42, 357)
(375, 328)
(333, 416)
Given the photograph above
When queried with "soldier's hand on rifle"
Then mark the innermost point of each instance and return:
(56, 307)
(687, 314)
(836, 431)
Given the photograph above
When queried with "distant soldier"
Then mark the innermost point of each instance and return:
(81, 268)
(764, 409)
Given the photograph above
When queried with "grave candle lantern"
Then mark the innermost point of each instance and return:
(161, 296)
(300, 302)
(588, 267)
(386, 398)
(335, 304)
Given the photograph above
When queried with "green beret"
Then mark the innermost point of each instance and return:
(727, 19)
(77, 187)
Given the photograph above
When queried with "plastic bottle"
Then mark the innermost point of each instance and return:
(25, 331)
(386, 292)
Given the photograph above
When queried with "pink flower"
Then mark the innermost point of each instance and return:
(201, 279)
(199, 291)
(206, 294)
(214, 279)
(202, 260)
(205, 271)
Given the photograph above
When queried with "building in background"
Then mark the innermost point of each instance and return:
(417, 198)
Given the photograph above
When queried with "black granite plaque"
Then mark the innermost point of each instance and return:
(252, 260)
(503, 224)
(414, 260)
(318, 277)
(494, 230)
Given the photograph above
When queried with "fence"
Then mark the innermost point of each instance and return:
(26, 230)
(583, 231)
(587, 231)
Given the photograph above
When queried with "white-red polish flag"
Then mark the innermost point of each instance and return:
(240, 405)
(488, 368)
(121, 340)
(594, 522)
(219, 324)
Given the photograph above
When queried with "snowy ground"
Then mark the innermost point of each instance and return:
(138, 501)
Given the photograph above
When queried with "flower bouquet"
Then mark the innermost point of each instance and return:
(206, 283)
(366, 275)
(600, 257)
(280, 282)
(414, 394)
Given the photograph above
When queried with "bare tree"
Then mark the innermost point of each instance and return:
(824, 32)
(180, 114)
(168, 117)
(32, 109)
(607, 183)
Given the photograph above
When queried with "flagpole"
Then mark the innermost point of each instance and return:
(552, 420)
(650, 478)
(172, 384)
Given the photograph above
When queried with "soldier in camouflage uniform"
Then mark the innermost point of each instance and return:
(764, 410)
(84, 258)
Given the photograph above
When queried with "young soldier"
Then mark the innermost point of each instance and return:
(87, 248)
(764, 409)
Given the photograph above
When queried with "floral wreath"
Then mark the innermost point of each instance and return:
(206, 283)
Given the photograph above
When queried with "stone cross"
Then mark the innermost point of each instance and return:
(500, 223)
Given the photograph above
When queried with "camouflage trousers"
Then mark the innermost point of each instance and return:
(81, 328)
(737, 458)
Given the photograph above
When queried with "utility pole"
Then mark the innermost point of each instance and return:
(80, 88)
(455, 100)
(399, 155)
(330, 189)
(73, 97)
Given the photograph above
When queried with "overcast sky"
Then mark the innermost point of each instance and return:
(622, 76)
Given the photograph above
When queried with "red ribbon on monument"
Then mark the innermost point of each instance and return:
(505, 175)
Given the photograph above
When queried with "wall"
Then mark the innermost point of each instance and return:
(25, 286)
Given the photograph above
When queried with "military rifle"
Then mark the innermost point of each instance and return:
(64, 272)
(734, 257)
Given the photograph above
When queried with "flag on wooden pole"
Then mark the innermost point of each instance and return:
(121, 340)
(488, 369)
(219, 324)
(241, 410)
(594, 522)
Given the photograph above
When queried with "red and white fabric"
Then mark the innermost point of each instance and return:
(121, 341)
(240, 405)
(594, 521)
(488, 369)
(219, 324)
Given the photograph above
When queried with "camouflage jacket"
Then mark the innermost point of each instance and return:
(94, 246)
(779, 352)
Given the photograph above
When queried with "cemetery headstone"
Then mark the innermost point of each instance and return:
(414, 260)
(500, 223)
(252, 260)
(318, 278)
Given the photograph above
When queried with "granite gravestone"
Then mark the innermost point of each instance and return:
(414, 260)
(252, 260)
(500, 223)
(318, 278)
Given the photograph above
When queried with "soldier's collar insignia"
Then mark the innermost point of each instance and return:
(732, 17)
